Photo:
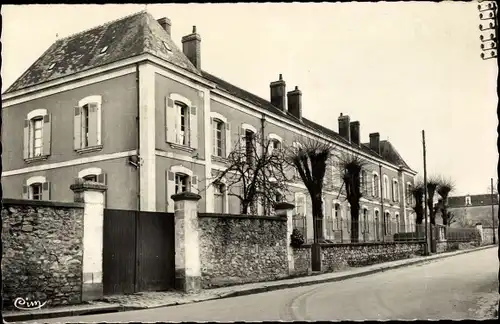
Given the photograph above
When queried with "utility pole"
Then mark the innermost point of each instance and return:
(425, 197)
(493, 214)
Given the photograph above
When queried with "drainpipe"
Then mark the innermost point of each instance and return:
(138, 135)
(262, 145)
(382, 202)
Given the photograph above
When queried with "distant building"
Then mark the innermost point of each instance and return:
(472, 209)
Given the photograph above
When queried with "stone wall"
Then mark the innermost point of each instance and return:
(236, 249)
(340, 256)
(302, 260)
(488, 235)
(43, 251)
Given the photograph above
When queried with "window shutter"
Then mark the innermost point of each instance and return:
(26, 148)
(25, 192)
(170, 120)
(214, 136)
(193, 127)
(227, 140)
(169, 190)
(93, 124)
(46, 191)
(77, 126)
(102, 178)
(194, 184)
(47, 132)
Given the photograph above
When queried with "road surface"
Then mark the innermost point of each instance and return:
(450, 288)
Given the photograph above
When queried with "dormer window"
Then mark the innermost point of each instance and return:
(467, 201)
(51, 66)
(104, 49)
(167, 47)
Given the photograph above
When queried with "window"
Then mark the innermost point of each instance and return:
(37, 129)
(219, 197)
(397, 224)
(387, 228)
(51, 66)
(375, 185)
(36, 191)
(103, 50)
(181, 182)
(377, 226)
(395, 191)
(386, 187)
(182, 123)
(167, 47)
(274, 144)
(218, 138)
(90, 177)
(300, 205)
(409, 195)
(87, 124)
(366, 227)
(363, 180)
(337, 215)
(249, 145)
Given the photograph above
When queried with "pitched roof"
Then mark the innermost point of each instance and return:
(125, 38)
(475, 200)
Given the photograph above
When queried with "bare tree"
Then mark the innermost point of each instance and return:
(350, 166)
(256, 171)
(445, 186)
(310, 158)
(417, 192)
(432, 186)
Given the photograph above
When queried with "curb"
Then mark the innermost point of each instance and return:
(251, 291)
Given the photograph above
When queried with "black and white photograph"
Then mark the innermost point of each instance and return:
(334, 161)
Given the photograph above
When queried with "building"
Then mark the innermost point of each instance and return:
(469, 210)
(121, 104)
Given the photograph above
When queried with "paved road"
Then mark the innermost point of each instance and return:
(450, 288)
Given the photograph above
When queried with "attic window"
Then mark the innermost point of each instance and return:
(167, 46)
(104, 49)
(51, 66)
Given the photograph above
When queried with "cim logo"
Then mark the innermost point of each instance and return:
(26, 304)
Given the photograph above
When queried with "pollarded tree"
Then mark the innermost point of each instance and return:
(432, 186)
(310, 159)
(350, 166)
(256, 171)
(417, 192)
(444, 188)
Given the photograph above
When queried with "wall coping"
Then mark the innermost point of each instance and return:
(186, 196)
(327, 245)
(284, 205)
(41, 203)
(241, 216)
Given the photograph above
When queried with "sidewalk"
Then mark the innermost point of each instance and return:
(149, 300)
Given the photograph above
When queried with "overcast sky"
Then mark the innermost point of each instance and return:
(396, 67)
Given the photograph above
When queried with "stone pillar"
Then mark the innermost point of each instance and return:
(187, 246)
(286, 210)
(91, 194)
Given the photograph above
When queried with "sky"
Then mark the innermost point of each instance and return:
(398, 68)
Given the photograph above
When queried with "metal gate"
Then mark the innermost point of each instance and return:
(138, 251)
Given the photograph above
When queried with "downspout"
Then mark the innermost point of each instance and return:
(262, 143)
(382, 202)
(137, 83)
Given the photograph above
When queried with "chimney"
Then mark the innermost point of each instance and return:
(191, 48)
(375, 142)
(354, 129)
(278, 94)
(165, 24)
(295, 102)
(344, 127)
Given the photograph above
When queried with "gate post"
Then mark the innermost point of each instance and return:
(91, 194)
(286, 209)
(187, 247)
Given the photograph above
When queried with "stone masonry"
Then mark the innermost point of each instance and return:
(43, 251)
(236, 249)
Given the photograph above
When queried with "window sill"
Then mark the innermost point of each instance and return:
(89, 149)
(36, 159)
(219, 159)
(182, 147)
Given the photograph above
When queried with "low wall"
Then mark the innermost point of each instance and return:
(42, 251)
(236, 249)
(341, 256)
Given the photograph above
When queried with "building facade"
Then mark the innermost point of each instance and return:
(469, 210)
(121, 104)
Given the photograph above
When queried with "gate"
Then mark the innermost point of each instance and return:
(138, 251)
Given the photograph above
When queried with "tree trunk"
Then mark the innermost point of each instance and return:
(355, 223)
(317, 210)
(244, 207)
